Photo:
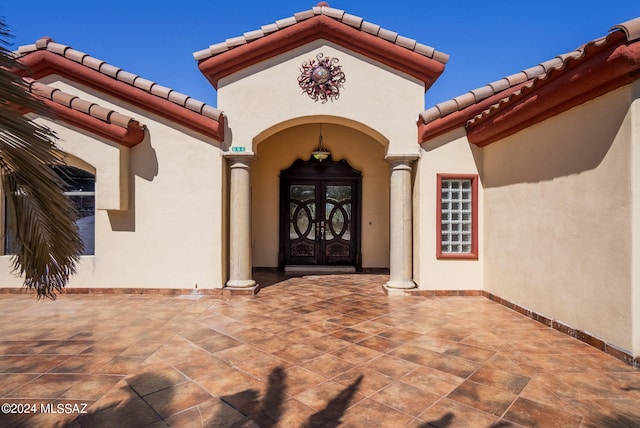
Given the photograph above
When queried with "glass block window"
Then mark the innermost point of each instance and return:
(457, 216)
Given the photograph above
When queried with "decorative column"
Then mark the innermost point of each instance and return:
(240, 275)
(401, 225)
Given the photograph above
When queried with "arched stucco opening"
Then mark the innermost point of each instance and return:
(278, 147)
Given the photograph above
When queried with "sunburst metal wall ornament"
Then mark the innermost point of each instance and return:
(322, 78)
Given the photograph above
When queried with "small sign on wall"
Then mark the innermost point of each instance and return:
(238, 149)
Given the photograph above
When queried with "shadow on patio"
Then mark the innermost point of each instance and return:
(309, 351)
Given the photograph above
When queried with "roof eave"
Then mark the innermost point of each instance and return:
(41, 63)
(458, 118)
(130, 136)
(414, 64)
(603, 69)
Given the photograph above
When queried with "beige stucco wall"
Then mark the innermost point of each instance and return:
(375, 99)
(167, 232)
(632, 124)
(450, 153)
(268, 114)
(558, 215)
(362, 152)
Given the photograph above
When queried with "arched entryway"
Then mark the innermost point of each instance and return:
(320, 214)
(361, 151)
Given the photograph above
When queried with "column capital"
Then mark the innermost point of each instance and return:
(242, 157)
(401, 158)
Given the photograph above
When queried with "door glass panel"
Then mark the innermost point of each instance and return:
(339, 193)
(302, 220)
(338, 212)
(347, 213)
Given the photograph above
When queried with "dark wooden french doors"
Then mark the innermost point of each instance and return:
(320, 214)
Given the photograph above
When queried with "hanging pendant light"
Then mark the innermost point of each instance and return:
(320, 153)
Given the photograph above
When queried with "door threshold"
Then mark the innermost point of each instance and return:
(322, 269)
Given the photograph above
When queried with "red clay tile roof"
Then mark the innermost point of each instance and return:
(477, 104)
(476, 95)
(88, 115)
(333, 25)
(40, 65)
(337, 14)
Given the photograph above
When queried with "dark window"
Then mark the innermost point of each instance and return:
(80, 188)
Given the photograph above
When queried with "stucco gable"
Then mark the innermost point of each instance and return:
(322, 22)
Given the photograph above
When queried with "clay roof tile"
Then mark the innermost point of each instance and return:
(119, 119)
(42, 90)
(143, 84)
(268, 29)
(42, 42)
(352, 20)
(81, 105)
(195, 105)
(563, 57)
(57, 48)
(161, 91)
(440, 57)
(62, 98)
(75, 55)
(465, 100)
(235, 41)
(631, 29)
(211, 112)
(447, 107)
(126, 77)
(92, 62)
(430, 115)
(388, 35)
(109, 70)
(202, 54)
(517, 78)
(100, 112)
(304, 15)
(499, 85)
(286, 22)
(218, 47)
(482, 93)
(333, 13)
(424, 50)
(406, 42)
(252, 35)
(26, 49)
(178, 98)
(551, 64)
(370, 28)
(534, 71)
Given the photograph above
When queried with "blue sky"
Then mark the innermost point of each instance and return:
(487, 40)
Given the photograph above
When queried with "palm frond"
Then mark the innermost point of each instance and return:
(47, 242)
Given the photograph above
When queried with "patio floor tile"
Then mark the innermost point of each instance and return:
(313, 351)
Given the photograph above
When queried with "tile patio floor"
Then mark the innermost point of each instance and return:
(314, 351)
